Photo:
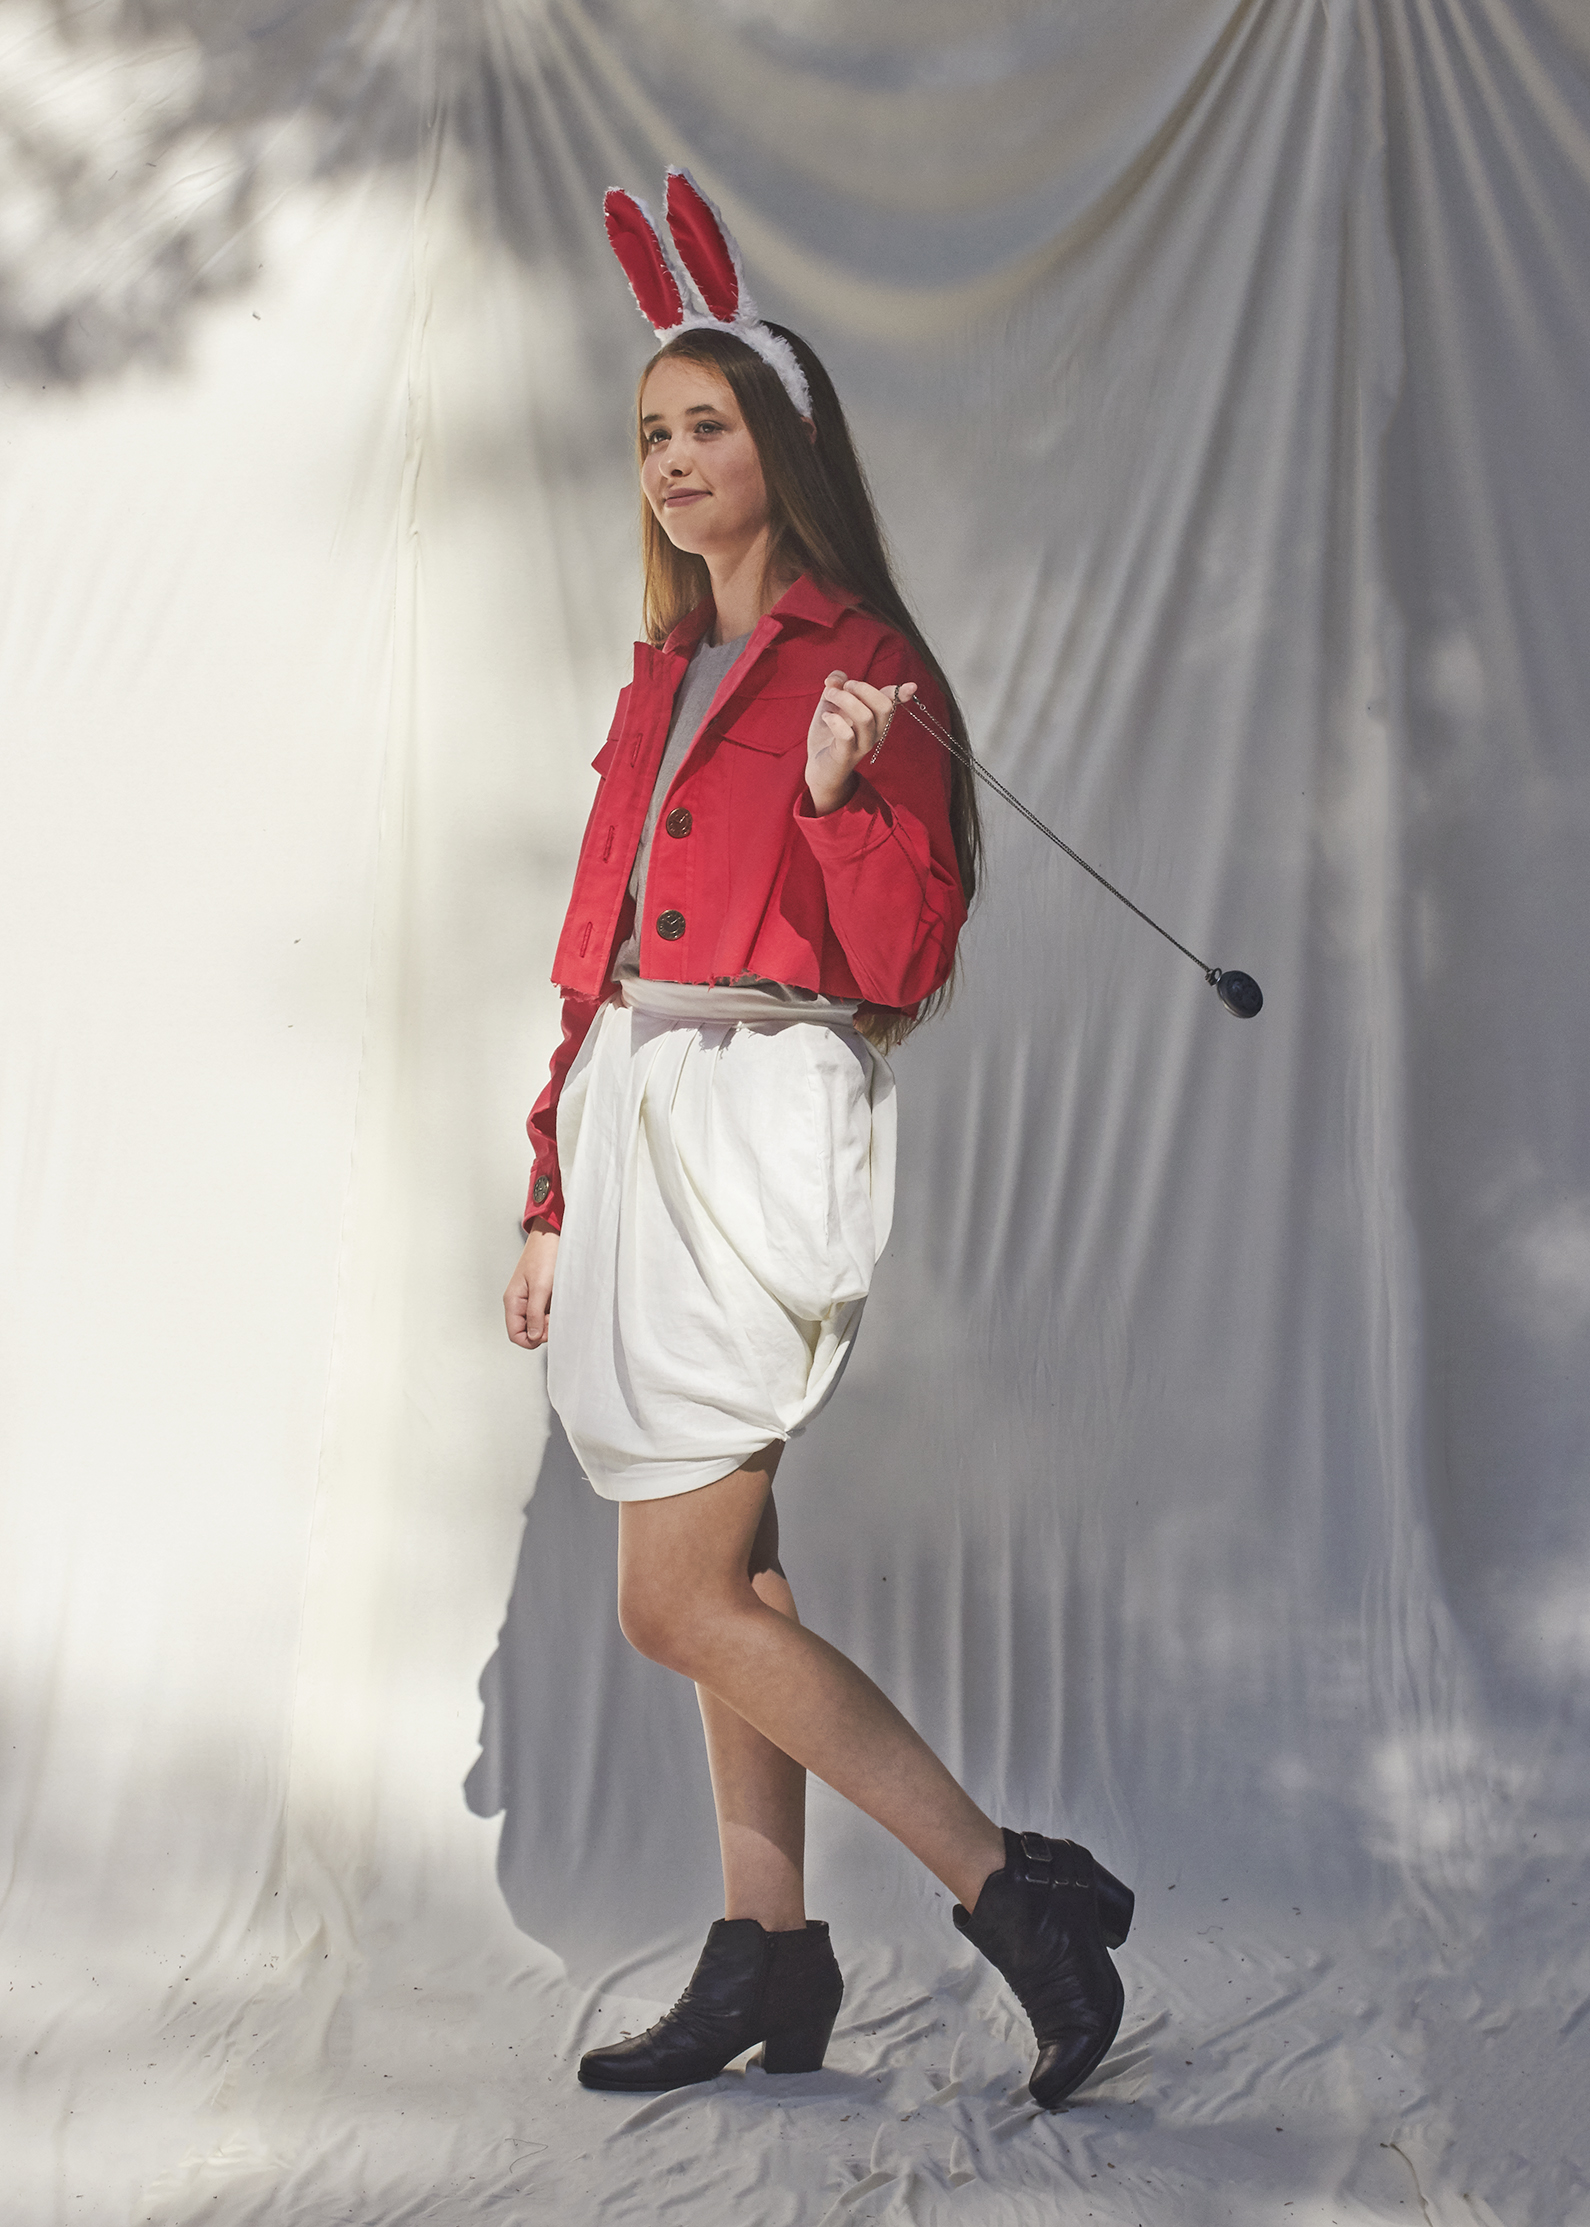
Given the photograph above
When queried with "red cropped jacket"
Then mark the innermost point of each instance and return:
(745, 878)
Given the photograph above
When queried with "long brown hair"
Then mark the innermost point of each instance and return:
(823, 522)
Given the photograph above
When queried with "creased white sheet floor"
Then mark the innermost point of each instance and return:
(1210, 1481)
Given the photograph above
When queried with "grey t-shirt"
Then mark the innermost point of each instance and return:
(708, 669)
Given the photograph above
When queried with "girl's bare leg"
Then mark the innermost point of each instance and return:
(686, 1598)
(760, 1792)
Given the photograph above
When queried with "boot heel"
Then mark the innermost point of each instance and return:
(1116, 1904)
(798, 2048)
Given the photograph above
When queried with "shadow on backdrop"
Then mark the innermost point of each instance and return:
(143, 143)
(574, 1722)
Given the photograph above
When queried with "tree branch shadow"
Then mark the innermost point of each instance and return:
(142, 143)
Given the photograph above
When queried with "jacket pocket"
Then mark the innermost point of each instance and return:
(772, 723)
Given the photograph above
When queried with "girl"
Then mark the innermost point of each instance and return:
(776, 870)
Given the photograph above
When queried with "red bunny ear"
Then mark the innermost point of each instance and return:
(707, 250)
(638, 246)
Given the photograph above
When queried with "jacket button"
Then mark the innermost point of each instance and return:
(670, 926)
(678, 821)
(541, 1190)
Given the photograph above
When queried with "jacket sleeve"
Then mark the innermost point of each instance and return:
(544, 1201)
(887, 854)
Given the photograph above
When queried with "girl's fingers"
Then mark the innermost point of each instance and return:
(876, 702)
(881, 701)
(526, 1312)
(856, 708)
(858, 716)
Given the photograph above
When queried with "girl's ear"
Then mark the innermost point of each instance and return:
(811, 431)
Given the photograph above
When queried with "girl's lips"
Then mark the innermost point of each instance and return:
(686, 495)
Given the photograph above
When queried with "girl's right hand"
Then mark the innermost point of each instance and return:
(848, 725)
(527, 1302)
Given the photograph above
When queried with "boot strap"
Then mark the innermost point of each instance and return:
(1052, 1863)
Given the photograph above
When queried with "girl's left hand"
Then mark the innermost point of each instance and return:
(850, 722)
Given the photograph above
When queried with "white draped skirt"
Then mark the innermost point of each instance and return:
(728, 1181)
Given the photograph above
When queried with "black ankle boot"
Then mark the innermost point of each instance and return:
(781, 1989)
(1048, 1921)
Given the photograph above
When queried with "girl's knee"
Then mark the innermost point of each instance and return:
(641, 1621)
(658, 1626)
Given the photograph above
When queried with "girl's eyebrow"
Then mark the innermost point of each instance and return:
(695, 410)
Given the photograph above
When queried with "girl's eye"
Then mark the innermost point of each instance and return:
(702, 425)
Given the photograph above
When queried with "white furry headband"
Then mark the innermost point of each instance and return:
(707, 250)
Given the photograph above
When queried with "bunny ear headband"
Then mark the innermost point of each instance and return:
(706, 248)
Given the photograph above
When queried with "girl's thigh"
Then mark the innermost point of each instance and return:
(695, 1548)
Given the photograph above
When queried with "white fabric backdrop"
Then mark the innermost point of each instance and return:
(1210, 1479)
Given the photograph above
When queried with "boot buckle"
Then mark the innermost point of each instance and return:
(1073, 1864)
(1038, 1870)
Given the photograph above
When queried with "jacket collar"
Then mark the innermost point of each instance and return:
(810, 602)
(689, 631)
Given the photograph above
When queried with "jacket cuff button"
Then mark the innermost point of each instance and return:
(541, 1190)
(670, 926)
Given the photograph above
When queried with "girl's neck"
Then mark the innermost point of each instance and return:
(744, 589)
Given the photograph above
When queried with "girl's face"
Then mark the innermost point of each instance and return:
(701, 475)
